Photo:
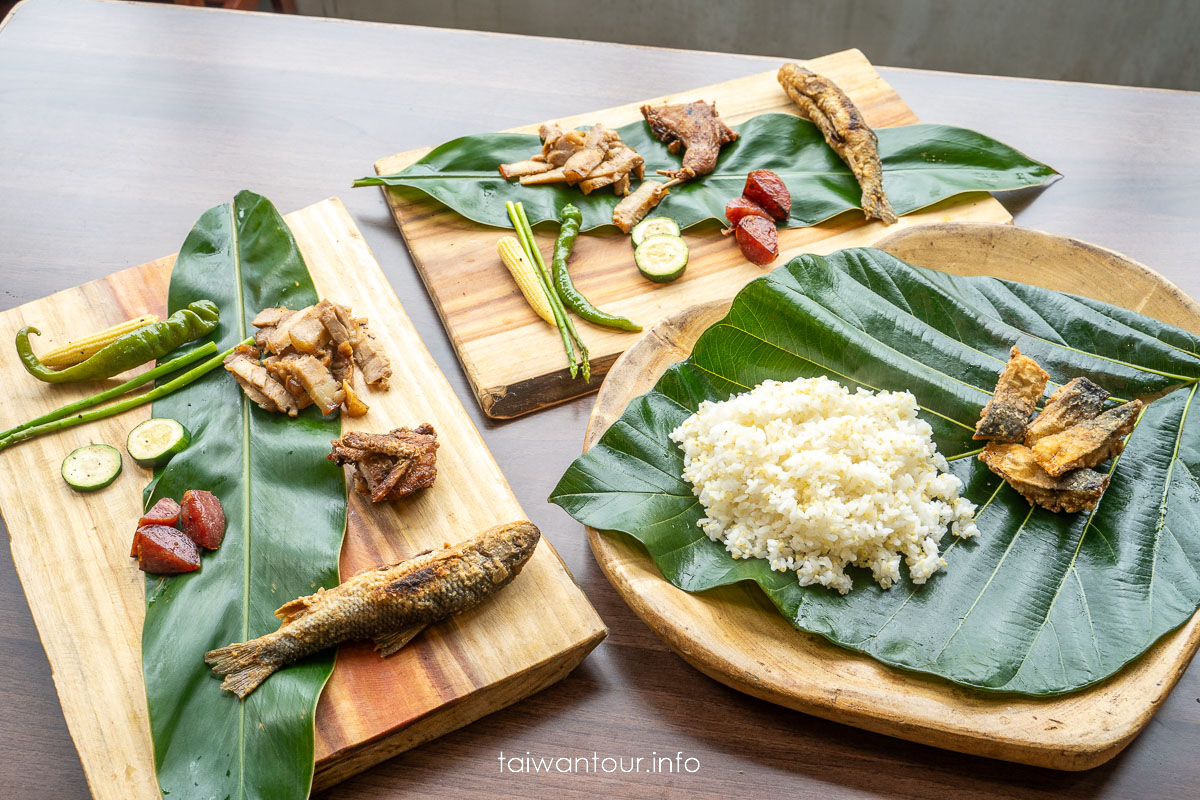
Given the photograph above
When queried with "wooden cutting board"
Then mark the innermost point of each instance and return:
(515, 362)
(735, 635)
(72, 551)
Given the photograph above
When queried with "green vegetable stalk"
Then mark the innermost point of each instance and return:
(572, 218)
(206, 349)
(125, 405)
(131, 350)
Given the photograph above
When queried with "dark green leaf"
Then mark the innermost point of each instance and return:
(285, 510)
(921, 163)
(1039, 603)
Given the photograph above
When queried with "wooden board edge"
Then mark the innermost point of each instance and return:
(343, 764)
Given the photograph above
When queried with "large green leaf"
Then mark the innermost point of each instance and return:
(1038, 603)
(285, 509)
(921, 164)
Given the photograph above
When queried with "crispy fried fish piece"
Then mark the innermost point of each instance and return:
(842, 125)
(1088, 443)
(391, 604)
(389, 466)
(1077, 490)
(1072, 403)
(1020, 386)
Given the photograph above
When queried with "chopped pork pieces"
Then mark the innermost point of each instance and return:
(308, 357)
(389, 466)
(589, 159)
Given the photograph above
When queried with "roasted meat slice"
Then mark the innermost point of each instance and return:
(376, 369)
(633, 207)
(270, 317)
(1017, 392)
(519, 169)
(694, 127)
(267, 392)
(389, 466)
(1077, 490)
(308, 334)
(1088, 443)
(843, 126)
(1073, 402)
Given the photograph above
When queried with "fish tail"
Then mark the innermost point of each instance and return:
(242, 664)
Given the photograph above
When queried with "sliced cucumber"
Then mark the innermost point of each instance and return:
(662, 257)
(155, 441)
(91, 467)
(653, 226)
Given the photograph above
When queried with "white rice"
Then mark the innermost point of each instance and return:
(815, 479)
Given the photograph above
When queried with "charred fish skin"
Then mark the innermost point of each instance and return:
(1075, 401)
(381, 603)
(1078, 490)
(843, 126)
(1021, 384)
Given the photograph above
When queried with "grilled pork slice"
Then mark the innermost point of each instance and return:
(268, 393)
(1072, 403)
(376, 369)
(304, 372)
(629, 211)
(519, 169)
(1020, 387)
(1077, 490)
(1089, 443)
(308, 334)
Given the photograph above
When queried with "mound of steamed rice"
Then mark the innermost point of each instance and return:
(815, 479)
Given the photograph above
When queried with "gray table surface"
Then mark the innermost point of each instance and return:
(120, 123)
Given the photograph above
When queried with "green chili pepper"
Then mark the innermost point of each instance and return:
(131, 350)
(572, 218)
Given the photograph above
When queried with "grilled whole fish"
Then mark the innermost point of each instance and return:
(390, 604)
(1020, 387)
(843, 126)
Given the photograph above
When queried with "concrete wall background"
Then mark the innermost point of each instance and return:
(1150, 43)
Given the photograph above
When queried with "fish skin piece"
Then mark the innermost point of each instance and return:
(1090, 442)
(1018, 390)
(843, 126)
(1075, 401)
(381, 601)
(1077, 490)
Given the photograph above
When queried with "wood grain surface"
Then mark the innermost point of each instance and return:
(454, 673)
(162, 111)
(734, 634)
(515, 361)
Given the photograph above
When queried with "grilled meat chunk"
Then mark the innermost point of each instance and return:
(1017, 392)
(842, 125)
(1072, 403)
(267, 392)
(1089, 442)
(588, 159)
(694, 127)
(389, 466)
(1077, 490)
(390, 604)
(629, 211)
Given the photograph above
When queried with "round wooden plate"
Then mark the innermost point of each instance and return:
(735, 635)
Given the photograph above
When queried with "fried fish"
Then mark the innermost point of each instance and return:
(1078, 400)
(390, 604)
(1020, 386)
(1077, 490)
(1088, 443)
(843, 126)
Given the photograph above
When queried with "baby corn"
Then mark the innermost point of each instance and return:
(72, 353)
(521, 269)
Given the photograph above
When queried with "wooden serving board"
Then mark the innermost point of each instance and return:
(72, 551)
(735, 635)
(515, 362)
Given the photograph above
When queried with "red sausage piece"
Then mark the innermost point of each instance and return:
(164, 512)
(740, 207)
(766, 188)
(203, 518)
(165, 551)
(758, 240)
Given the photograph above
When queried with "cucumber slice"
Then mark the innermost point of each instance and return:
(662, 258)
(91, 467)
(155, 441)
(653, 226)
